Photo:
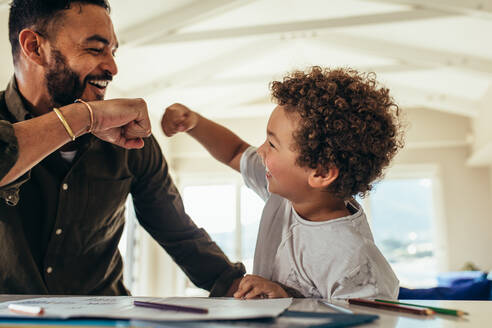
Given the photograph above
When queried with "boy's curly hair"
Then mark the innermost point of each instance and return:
(346, 121)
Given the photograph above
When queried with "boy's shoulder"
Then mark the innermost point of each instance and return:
(349, 235)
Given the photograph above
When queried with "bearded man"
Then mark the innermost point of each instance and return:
(66, 169)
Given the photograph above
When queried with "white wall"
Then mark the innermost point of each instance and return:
(482, 141)
(6, 69)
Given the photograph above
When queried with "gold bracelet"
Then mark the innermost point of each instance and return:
(64, 122)
(91, 113)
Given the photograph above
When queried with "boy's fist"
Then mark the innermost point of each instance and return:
(178, 118)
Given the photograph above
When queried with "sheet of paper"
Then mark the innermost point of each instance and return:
(121, 307)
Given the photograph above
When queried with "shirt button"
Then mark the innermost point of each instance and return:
(64, 186)
(58, 231)
(49, 269)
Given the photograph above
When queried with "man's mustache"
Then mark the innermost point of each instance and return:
(105, 76)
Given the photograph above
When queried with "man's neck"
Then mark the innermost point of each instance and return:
(36, 100)
(34, 93)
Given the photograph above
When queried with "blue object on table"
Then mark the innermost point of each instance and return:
(449, 279)
(477, 289)
(63, 322)
(288, 319)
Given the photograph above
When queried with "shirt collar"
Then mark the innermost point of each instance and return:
(15, 105)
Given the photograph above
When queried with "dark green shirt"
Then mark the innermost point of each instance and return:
(60, 224)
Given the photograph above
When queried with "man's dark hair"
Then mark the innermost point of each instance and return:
(39, 15)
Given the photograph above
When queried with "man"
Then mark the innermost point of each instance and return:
(63, 217)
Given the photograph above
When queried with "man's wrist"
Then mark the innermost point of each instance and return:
(77, 117)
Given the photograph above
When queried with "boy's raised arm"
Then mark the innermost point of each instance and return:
(220, 142)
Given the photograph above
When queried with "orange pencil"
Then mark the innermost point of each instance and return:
(391, 307)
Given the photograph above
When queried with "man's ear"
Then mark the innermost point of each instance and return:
(321, 179)
(31, 46)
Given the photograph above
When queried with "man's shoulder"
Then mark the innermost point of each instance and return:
(3, 105)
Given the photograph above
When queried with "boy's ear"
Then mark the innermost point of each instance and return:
(31, 46)
(321, 179)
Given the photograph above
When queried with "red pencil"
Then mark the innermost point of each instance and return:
(392, 307)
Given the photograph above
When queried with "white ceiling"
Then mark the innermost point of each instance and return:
(219, 55)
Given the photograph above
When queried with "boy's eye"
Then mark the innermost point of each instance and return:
(271, 145)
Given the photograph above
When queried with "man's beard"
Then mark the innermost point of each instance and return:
(65, 85)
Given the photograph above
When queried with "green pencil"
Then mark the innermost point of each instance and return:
(457, 313)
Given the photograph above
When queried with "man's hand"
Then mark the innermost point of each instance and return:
(123, 122)
(178, 118)
(252, 286)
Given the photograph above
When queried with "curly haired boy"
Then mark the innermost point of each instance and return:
(330, 137)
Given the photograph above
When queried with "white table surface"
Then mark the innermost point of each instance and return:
(480, 313)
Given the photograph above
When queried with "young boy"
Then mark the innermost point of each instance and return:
(328, 139)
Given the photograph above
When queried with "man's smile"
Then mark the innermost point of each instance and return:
(101, 84)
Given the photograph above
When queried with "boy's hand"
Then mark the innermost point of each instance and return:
(252, 286)
(178, 118)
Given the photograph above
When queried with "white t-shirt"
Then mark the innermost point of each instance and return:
(335, 259)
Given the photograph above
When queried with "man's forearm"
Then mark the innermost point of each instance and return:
(220, 142)
(40, 136)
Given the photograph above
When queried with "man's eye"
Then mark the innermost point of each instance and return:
(95, 50)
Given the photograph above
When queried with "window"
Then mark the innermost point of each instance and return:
(251, 209)
(230, 213)
(128, 246)
(401, 214)
(213, 208)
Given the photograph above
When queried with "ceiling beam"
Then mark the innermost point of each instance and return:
(169, 22)
(407, 96)
(479, 8)
(265, 79)
(404, 95)
(305, 26)
(201, 71)
(409, 53)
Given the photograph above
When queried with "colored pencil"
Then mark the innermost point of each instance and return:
(391, 307)
(171, 307)
(457, 313)
(26, 309)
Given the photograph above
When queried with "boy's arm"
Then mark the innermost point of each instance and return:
(220, 142)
